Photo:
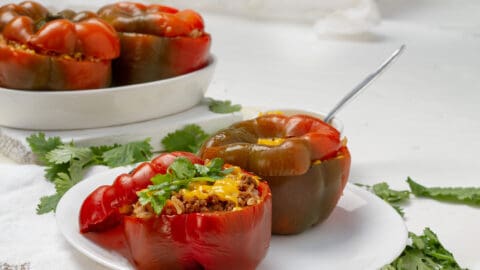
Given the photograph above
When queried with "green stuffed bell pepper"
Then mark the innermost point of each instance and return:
(303, 159)
(157, 42)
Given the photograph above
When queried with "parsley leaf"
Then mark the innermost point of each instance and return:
(128, 153)
(65, 153)
(392, 197)
(41, 146)
(52, 170)
(468, 195)
(425, 253)
(98, 153)
(48, 203)
(179, 175)
(223, 106)
(63, 183)
(182, 168)
(66, 163)
(189, 139)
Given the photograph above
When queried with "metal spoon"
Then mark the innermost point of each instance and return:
(362, 85)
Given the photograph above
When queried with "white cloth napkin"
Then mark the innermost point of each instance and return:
(27, 238)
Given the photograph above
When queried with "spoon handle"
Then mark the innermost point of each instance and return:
(363, 84)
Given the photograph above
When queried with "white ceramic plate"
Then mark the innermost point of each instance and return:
(363, 232)
(64, 110)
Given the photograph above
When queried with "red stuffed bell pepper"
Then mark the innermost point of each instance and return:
(157, 42)
(176, 213)
(302, 158)
(64, 51)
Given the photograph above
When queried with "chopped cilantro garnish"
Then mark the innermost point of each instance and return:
(466, 195)
(179, 175)
(392, 197)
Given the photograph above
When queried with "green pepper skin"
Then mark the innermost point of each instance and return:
(307, 171)
(148, 58)
(301, 201)
(157, 42)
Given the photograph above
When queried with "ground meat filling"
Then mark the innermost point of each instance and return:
(25, 48)
(248, 195)
(181, 205)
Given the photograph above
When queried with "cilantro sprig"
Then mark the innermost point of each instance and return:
(392, 197)
(462, 195)
(179, 175)
(222, 106)
(189, 138)
(66, 163)
(465, 195)
(424, 253)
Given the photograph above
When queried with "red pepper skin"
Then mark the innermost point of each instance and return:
(304, 193)
(40, 51)
(214, 241)
(236, 240)
(100, 210)
(157, 42)
(26, 71)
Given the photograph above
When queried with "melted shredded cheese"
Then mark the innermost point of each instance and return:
(270, 112)
(226, 188)
(270, 141)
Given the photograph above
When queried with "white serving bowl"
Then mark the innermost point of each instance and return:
(81, 109)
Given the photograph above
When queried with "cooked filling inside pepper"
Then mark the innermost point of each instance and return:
(208, 188)
(25, 48)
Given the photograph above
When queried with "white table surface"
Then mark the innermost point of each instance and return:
(420, 119)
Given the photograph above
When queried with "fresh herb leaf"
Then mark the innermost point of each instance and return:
(399, 209)
(182, 168)
(41, 146)
(48, 203)
(392, 197)
(52, 170)
(425, 253)
(63, 182)
(468, 195)
(383, 191)
(189, 139)
(128, 153)
(214, 169)
(161, 178)
(98, 153)
(65, 153)
(223, 106)
(179, 175)
(66, 163)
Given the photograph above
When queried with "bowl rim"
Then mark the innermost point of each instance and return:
(212, 61)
